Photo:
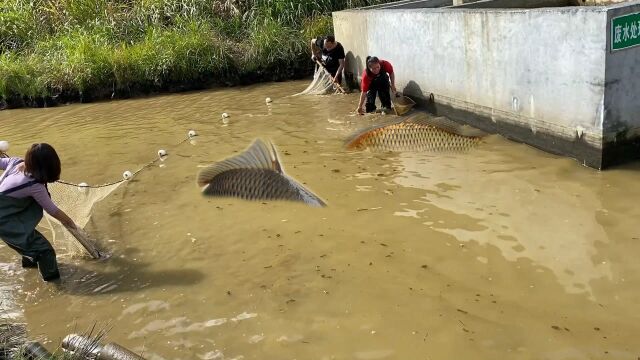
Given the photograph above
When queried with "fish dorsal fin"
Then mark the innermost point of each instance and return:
(277, 165)
(355, 137)
(447, 125)
(257, 156)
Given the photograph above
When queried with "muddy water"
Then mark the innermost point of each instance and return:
(504, 252)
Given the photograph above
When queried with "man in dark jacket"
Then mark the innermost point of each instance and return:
(331, 54)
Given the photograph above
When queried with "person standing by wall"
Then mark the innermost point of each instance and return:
(377, 78)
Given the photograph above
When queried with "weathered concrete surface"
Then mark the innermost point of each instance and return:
(600, 2)
(424, 4)
(528, 4)
(539, 70)
(621, 124)
(412, 4)
(421, 4)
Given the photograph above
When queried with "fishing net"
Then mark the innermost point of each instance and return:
(320, 85)
(402, 104)
(78, 201)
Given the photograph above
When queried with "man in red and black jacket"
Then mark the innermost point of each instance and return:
(376, 79)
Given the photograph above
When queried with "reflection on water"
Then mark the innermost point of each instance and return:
(10, 309)
(550, 225)
(502, 252)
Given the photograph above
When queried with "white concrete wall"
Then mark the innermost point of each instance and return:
(600, 2)
(538, 68)
(520, 4)
(622, 93)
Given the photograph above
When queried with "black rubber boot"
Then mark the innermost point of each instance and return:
(28, 262)
(370, 105)
(48, 265)
(51, 276)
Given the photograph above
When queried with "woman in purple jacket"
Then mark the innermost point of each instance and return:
(23, 196)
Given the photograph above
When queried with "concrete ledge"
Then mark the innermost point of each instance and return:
(542, 76)
(411, 4)
(522, 4)
(527, 4)
(577, 147)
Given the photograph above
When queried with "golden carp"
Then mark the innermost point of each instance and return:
(418, 132)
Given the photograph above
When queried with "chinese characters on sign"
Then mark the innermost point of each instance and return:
(625, 31)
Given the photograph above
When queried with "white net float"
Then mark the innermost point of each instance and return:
(83, 187)
(4, 146)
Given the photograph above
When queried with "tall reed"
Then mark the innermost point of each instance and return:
(100, 48)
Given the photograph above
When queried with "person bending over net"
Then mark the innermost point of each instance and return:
(331, 54)
(23, 196)
(376, 79)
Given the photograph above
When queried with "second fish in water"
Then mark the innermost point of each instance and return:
(255, 174)
(418, 132)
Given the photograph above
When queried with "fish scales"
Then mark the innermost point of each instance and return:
(253, 184)
(409, 136)
(255, 174)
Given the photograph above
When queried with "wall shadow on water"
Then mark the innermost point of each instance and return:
(121, 275)
(617, 216)
(353, 68)
(632, 166)
(424, 101)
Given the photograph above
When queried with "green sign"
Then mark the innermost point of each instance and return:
(625, 31)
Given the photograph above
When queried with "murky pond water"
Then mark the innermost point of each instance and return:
(503, 252)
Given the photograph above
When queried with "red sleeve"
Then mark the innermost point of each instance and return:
(387, 66)
(364, 84)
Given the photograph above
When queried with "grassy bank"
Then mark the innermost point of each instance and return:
(65, 50)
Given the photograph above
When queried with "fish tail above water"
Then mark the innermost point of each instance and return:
(255, 174)
(258, 156)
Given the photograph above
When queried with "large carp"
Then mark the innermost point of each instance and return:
(418, 132)
(255, 174)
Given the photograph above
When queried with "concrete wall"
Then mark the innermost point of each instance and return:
(420, 4)
(600, 2)
(622, 92)
(536, 76)
(412, 4)
(423, 4)
(529, 4)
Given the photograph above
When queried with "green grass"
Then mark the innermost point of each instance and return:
(100, 48)
(20, 76)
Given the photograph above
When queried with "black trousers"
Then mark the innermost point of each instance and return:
(379, 87)
(333, 73)
(19, 218)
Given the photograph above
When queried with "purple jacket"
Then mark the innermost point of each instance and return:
(14, 177)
